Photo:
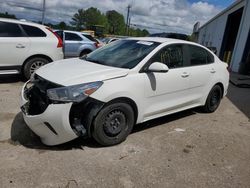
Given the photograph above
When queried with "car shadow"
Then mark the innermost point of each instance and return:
(164, 120)
(4, 79)
(22, 135)
(240, 97)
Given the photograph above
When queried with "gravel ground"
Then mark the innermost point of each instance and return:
(212, 151)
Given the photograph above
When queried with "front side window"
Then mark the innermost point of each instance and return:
(171, 55)
(72, 37)
(33, 31)
(122, 53)
(10, 30)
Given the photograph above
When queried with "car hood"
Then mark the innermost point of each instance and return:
(76, 71)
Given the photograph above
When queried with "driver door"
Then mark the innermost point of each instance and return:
(166, 92)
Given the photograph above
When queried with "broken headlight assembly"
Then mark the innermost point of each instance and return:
(75, 93)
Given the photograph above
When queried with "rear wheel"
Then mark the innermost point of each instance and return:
(213, 99)
(32, 65)
(113, 124)
(84, 52)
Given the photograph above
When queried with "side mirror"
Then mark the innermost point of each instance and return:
(158, 67)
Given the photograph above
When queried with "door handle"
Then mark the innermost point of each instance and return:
(212, 70)
(20, 46)
(185, 75)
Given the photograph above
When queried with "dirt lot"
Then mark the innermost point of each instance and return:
(212, 151)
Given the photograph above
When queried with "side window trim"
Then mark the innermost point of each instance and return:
(24, 34)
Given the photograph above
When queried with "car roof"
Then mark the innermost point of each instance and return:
(79, 32)
(21, 22)
(164, 40)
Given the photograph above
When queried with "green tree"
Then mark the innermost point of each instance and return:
(85, 19)
(62, 25)
(116, 22)
(136, 32)
(7, 15)
(78, 20)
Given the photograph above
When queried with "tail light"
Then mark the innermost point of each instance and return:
(97, 45)
(60, 42)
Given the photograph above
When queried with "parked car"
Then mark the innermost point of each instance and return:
(124, 83)
(108, 40)
(77, 44)
(26, 46)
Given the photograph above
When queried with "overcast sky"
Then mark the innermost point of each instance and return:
(154, 15)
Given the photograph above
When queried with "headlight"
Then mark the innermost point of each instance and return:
(76, 93)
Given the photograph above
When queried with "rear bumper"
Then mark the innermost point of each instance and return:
(53, 125)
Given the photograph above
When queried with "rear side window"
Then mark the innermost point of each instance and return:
(171, 55)
(10, 30)
(89, 37)
(199, 56)
(72, 37)
(32, 31)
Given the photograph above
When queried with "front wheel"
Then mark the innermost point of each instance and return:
(213, 99)
(113, 124)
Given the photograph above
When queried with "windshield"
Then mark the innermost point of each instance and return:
(122, 53)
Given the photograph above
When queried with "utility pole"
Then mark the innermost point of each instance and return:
(129, 26)
(127, 23)
(43, 11)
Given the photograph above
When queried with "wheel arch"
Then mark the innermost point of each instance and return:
(85, 50)
(94, 113)
(221, 86)
(128, 101)
(35, 56)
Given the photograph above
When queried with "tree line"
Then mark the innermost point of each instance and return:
(112, 22)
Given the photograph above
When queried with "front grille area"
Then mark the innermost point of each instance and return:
(37, 95)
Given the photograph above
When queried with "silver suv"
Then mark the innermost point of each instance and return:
(77, 43)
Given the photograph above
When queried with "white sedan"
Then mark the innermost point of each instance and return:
(104, 94)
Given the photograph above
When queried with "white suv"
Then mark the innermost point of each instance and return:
(121, 84)
(25, 46)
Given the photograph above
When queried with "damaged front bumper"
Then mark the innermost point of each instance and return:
(53, 125)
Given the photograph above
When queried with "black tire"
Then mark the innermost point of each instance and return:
(113, 124)
(33, 64)
(213, 99)
(84, 52)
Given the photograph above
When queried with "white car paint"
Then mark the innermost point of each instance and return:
(155, 94)
(14, 51)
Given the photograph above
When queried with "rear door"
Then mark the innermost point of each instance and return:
(72, 44)
(202, 70)
(167, 91)
(14, 45)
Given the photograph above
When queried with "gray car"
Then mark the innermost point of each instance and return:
(77, 43)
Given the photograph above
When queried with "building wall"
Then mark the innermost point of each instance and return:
(241, 38)
(212, 33)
